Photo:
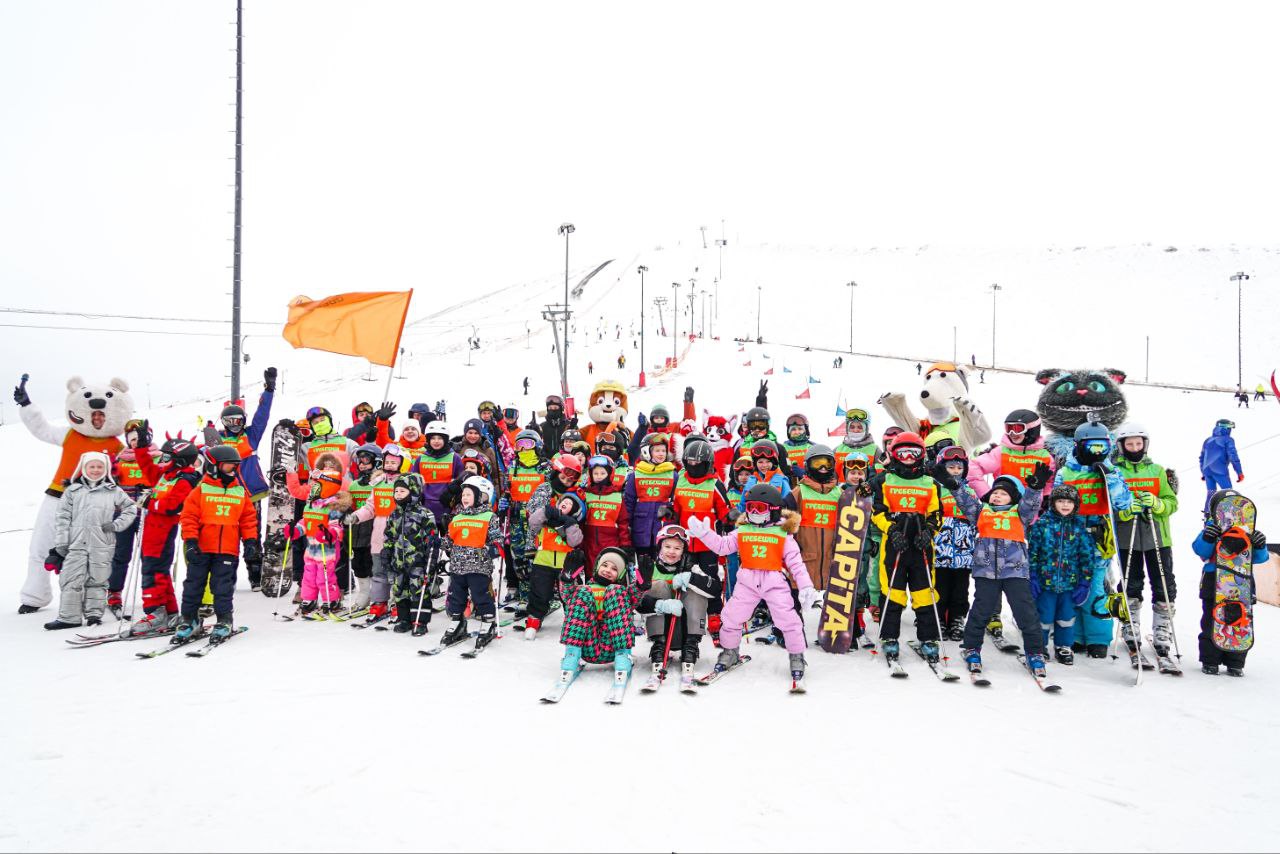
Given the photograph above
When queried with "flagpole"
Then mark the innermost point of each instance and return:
(386, 395)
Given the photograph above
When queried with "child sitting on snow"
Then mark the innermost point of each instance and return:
(678, 590)
(597, 621)
(92, 510)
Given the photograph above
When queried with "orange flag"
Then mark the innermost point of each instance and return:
(804, 395)
(368, 325)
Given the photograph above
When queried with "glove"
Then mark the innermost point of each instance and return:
(440, 410)
(898, 539)
(674, 607)
(734, 514)
(503, 503)
(554, 517)
(1038, 478)
(942, 476)
(642, 421)
(688, 394)
(808, 596)
(370, 421)
(350, 519)
(288, 424)
(1035, 587)
(1258, 539)
(53, 563)
(269, 379)
(665, 513)
(252, 551)
(20, 396)
(699, 526)
(680, 581)
(1211, 533)
(1081, 593)
(386, 411)
(568, 576)
(108, 528)
(923, 537)
(191, 550)
(764, 389)
(1240, 477)
(144, 429)
(324, 535)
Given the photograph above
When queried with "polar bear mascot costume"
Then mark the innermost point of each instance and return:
(949, 413)
(96, 415)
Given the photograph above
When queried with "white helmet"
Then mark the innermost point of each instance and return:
(482, 486)
(1130, 429)
(436, 428)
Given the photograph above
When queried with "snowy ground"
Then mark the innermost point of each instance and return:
(302, 735)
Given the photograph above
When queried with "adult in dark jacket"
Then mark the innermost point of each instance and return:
(554, 425)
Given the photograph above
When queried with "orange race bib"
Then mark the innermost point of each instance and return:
(1001, 525)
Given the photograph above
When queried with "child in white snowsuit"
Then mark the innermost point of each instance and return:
(92, 510)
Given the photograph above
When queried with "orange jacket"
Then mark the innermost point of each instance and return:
(219, 517)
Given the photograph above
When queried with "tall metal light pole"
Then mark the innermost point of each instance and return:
(642, 269)
(566, 229)
(720, 245)
(235, 261)
(675, 322)
(1240, 279)
(758, 336)
(692, 296)
(995, 289)
(851, 286)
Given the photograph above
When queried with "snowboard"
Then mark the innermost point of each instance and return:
(837, 624)
(1233, 574)
(276, 577)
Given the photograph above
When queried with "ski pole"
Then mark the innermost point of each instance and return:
(893, 579)
(933, 588)
(1164, 586)
(666, 650)
(324, 570)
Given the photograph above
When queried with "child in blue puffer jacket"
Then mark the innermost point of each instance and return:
(1063, 561)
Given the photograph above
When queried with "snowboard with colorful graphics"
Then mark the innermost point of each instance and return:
(1233, 574)
(838, 623)
(278, 513)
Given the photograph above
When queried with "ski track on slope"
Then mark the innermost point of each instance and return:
(306, 734)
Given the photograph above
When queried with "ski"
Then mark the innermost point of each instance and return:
(172, 645)
(896, 670)
(214, 644)
(98, 640)
(1164, 662)
(717, 672)
(978, 680)
(483, 642)
(557, 692)
(618, 690)
(939, 669)
(1138, 658)
(1000, 642)
(1041, 681)
(372, 621)
(442, 646)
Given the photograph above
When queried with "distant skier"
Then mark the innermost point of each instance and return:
(1217, 456)
(526, 386)
(1260, 393)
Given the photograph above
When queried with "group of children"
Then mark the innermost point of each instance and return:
(698, 532)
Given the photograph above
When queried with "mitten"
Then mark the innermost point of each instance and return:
(674, 607)
(1081, 593)
(680, 581)
(53, 563)
(191, 550)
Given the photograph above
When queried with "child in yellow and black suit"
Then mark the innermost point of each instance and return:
(906, 507)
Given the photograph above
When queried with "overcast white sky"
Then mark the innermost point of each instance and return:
(396, 144)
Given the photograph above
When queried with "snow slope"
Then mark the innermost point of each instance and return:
(301, 735)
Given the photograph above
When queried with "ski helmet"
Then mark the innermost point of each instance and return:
(436, 428)
(326, 483)
(233, 418)
(1226, 424)
(890, 432)
(579, 509)
(952, 454)
(1092, 443)
(906, 448)
(742, 464)
(660, 411)
(220, 454)
(554, 400)
(567, 463)
(671, 531)
(857, 460)
(820, 463)
(488, 405)
(857, 423)
(757, 418)
(651, 441)
(581, 447)
(765, 448)
(697, 457)
(370, 451)
(568, 437)
(797, 420)
(394, 452)
(511, 413)
(763, 504)
(1133, 430)
(471, 455)
(608, 438)
(179, 451)
(525, 437)
(1022, 427)
(483, 489)
(315, 413)
(600, 461)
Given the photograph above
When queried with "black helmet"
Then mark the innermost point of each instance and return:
(763, 493)
(232, 410)
(220, 454)
(756, 413)
(697, 457)
(181, 451)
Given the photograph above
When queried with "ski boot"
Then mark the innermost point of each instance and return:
(1138, 657)
(1096, 650)
(157, 622)
(186, 631)
(27, 609)
(1036, 664)
(796, 660)
(376, 610)
(55, 625)
(955, 630)
(531, 627)
(420, 627)
(93, 621)
(1064, 655)
(1079, 648)
(221, 631)
(1237, 672)
(1209, 669)
(931, 651)
(488, 631)
(686, 676)
(889, 648)
(455, 633)
(973, 660)
(713, 629)
(305, 608)
(115, 604)
(727, 658)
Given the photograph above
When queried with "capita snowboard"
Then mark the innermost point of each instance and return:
(838, 623)
(279, 513)
(1233, 574)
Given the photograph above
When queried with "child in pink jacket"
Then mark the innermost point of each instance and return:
(321, 525)
(768, 553)
(1020, 449)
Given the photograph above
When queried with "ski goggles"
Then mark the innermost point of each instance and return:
(766, 452)
(822, 464)
(1230, 425)
(672, 532)
(231, 421)
(511, 413)
(1098, 447)
(852, 415)
(1017, 428)
(796, 430)
(952, 454)
(762, 426)
(601, 461)
(362, 411)
(758, 508)
(855, 462)
(908, 453)
(487, 406)
(525, 444)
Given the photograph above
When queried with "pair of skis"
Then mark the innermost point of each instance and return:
(617, 691)
(198, 652)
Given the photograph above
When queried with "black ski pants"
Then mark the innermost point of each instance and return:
(986, 599)
(903, 571)
(1209, 652)
(953, 593)
(1153, 561)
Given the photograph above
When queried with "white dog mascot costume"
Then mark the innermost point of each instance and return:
(950, 413)
(96, 415)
